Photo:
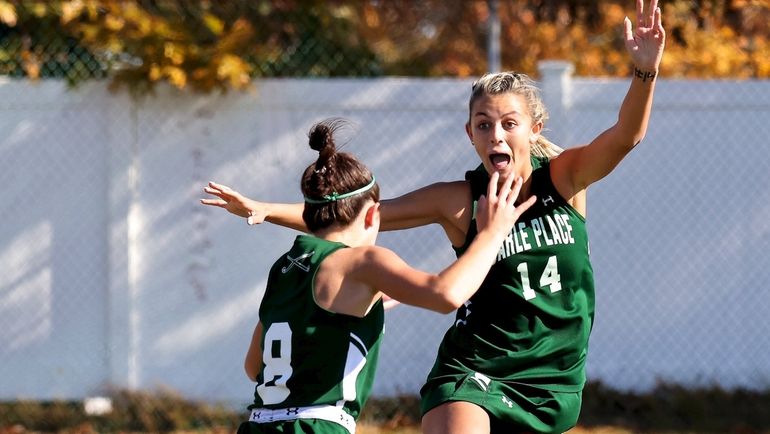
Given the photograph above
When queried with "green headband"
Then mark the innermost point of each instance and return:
(336, 196)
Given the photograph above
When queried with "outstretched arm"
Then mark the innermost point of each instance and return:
(577, 168)
(444, 203)
(283, 214)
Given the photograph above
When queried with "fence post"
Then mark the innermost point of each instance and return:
(493, 37)
(556, 84)
(122, 310)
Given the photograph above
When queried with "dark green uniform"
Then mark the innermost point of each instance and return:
(518, 346)
(318, 366)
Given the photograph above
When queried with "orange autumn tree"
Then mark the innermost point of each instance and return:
(191, 45)
(212, 45)
(706, 39)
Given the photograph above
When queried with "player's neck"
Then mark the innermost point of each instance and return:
(351, 235)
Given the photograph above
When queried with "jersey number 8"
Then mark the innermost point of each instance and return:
(277, 359)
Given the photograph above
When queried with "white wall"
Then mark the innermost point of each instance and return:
(114, 275)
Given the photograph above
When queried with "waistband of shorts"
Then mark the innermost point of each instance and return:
(325, 412)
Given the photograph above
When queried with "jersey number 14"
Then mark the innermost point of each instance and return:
(549, 278)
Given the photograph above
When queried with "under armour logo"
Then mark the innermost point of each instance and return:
(547, 199)
(296, 262)
(482, 380)
(507, 402)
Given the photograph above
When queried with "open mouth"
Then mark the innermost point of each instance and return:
(500, 161)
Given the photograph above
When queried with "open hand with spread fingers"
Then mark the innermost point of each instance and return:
(497, 210)
(233, 202)
(646, 42)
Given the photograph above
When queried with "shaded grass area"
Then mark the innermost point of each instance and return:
(667, 408)
(161, 411)
(674, 408)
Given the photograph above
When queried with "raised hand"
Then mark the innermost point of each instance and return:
(646, 42)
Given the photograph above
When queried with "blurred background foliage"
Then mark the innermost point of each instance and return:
(209, 45)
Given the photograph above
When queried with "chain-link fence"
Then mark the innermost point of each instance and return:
(114, 275)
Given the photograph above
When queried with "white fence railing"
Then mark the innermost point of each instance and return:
(114, 275)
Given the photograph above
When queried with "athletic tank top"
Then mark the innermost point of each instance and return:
(530, 320)
(312, 356)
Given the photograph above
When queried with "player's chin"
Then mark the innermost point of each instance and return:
(503, 172)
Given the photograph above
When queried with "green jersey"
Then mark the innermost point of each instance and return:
(530, 320)
(311, 356)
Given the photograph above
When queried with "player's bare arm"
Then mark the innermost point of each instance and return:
(444, 203)
(577, 168)
(283, 214)
(253, 362)
(384, 271)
